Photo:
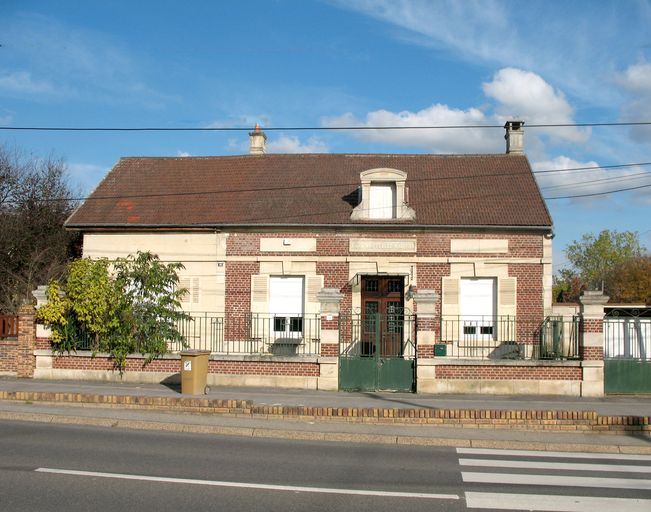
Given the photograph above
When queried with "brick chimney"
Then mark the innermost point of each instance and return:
(258, 144)
(514, 137)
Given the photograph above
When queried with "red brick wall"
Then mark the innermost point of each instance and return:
(335, 275)
(25, 360)
(530, 291)
(301, 369)
(297, 369)
(429, 244)
(8, 355)
(593, 353)
(238, 298)
(496, 372)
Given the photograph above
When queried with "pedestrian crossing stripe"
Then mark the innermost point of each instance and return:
(566, 455)
(560, 466)
(554, 480)
(545, 502)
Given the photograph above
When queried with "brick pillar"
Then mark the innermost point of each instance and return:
(426, 338)
(592, 342)
(25, 360)
(330, 299)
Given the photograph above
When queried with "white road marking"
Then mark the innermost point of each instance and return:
(561, 466)
(540, 502)
(247, 485)
(567, 455)
(553, 480)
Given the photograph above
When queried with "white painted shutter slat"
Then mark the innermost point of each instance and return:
(259, 293)
(314, 284)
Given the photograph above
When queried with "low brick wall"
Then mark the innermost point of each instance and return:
(501, 372)
(501, 377)
(274, 371)
(8, 356)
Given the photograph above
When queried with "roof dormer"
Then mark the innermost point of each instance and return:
(383, 197)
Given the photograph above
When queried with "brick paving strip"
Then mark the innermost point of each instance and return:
(584, 422)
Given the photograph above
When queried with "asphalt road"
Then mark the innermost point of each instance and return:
(52, 467)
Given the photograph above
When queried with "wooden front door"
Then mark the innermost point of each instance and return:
(383, 304)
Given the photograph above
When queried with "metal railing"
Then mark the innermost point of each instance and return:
(508, 337)
(627, 336)
(252, 333)
(387, 336)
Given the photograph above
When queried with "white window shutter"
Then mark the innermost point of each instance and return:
(507, 296)
(313, 285)
(191, 285)
(259, 293)
(450, 294)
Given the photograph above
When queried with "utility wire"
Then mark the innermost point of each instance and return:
(598, 193)
(304, 128)
(626, 177)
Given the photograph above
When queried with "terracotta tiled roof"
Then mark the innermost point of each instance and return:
(444, 190)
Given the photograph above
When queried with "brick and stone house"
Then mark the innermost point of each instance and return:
(347, 271)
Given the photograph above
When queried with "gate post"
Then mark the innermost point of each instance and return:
(25, 360)
(592, 342)
(330, 299)
(426, 339)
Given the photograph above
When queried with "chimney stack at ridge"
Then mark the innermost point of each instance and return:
(258, 141)
(514, 137)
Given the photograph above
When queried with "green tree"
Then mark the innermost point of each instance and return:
(593, 258)
(152, 306)
(132, 306)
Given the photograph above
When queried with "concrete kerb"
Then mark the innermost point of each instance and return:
(532, 420)
(567, 430)
(328, 436)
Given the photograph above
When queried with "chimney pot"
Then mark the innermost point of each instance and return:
(514, 137)
(258, 141)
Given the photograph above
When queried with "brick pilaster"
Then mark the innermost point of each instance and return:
(592, 342)
(25, 359)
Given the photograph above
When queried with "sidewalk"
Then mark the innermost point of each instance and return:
(543, 423)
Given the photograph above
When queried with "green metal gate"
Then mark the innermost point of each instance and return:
(377, 352)
(627, 351)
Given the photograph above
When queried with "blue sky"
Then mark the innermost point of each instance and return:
(315, 63)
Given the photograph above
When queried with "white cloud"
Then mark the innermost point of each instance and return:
(525, 95)
(286, 144)
(85, 176)
(21, 82)
(515, 94)
(182, 154)
(47, 57)
(505, 34)
(586, 181)
(469, 140)
(636, 80)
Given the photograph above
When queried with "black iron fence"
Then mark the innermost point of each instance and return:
(463, 337)
(387, 336)
(252, 333)
(508, 337)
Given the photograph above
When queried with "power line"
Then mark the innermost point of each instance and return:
(304, 128)
(597, 193)
(612, 179)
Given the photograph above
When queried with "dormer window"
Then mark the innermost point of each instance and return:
(383, 197)
(382, 204)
